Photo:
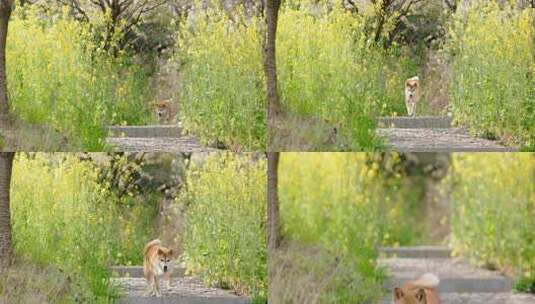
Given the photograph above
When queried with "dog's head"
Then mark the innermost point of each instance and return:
(412, 296)
(162, 109)
(165, 257)
(411, 86)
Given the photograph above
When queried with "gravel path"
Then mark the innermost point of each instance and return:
(183, 290)
(157, 144)
(482, 298)
(437, 140)
(460, 282)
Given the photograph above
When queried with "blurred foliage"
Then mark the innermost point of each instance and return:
(222, 97)
(225, 241)
(62, 216)
(342, 205)
(58, 76)
(493, 218)
(493, 67)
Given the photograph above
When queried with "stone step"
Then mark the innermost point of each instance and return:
(417, 252)
(418, 122)
(150, 131)
(137, 271)
(455, 275)
(480, 298)
(185, 290)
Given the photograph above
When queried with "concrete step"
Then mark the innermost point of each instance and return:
(417, 252)
(480, 298)
(418, 122)
(150, 131)
(455, 275)
(185, 290)
(137, 271)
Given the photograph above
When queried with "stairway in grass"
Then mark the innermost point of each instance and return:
(431, 134)
(460, 282)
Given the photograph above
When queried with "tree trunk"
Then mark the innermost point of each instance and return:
(270, 62)
(5, 13)
(6, 249)
(273, 201)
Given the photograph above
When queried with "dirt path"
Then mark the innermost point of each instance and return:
(157, 144)
(460, 282)
(432, 134)
(183, 290)
(153, 138)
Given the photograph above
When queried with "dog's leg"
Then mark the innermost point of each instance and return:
(168, 280)
(150, 285)
(157, 287)
(413, 110)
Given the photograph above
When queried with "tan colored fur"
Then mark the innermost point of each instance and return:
(412, 95)
(157, 262)
(165, 111)
(419, 291)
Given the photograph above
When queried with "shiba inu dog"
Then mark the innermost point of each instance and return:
(157, 262)
(419, 291)
(412, 94)
(165, 111)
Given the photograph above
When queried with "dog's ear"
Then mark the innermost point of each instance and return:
(160, 251)
(170, 252)
(398, 293)
(420, 296)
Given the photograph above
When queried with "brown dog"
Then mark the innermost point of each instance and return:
(419, 291)
(157, 262)
(165, 111)
(412, 95)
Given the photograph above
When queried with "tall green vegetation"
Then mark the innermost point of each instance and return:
(223, 95)
(65, 219)
(493, 68)
(336, 210)
(60, 75)
(225, 241)
(329, 69)
(493, 218)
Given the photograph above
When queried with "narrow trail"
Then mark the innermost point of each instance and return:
(460, 282)
(432, 134)
(153, 138)
(184, 289)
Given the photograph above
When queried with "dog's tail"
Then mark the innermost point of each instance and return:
(150, 244)
(428, 280)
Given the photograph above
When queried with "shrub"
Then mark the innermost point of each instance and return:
(329, 70)
(493, 212)
(63, 218)
(222, 98)
(58, 75)
(493, 66)
(225, 240)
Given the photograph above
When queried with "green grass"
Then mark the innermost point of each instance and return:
(336, 210)
(493, 217)
(60, 77)
(62, 217)
(224, 242)
(329, 71)
(493, 67)
(222, 97)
